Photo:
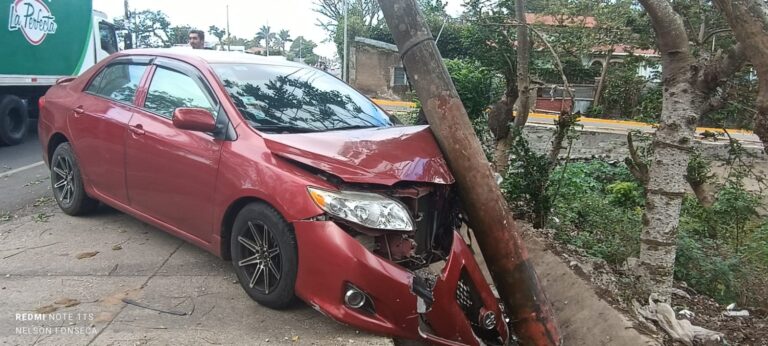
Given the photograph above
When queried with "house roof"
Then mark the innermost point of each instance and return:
(377, 44)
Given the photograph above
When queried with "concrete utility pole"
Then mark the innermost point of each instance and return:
(494, 228)
(129, 35)
(229, 37)
(344, 73)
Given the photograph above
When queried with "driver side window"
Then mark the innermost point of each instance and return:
(170, 89)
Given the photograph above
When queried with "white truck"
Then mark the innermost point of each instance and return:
(45, 40)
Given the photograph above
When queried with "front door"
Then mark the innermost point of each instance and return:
(171, 173)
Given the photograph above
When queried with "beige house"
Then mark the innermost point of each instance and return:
(375, 69)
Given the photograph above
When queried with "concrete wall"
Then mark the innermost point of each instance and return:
(613, 145)
(371, 69)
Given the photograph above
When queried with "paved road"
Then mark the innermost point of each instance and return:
(21, 189)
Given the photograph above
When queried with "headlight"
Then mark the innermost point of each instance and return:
(367, 209)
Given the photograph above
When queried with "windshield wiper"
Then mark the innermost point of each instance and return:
(353, 127)
(281, 128)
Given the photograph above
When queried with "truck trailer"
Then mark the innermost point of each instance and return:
(42, 42)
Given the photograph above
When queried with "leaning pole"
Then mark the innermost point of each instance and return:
(494, 228)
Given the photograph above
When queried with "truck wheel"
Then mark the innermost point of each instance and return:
(14, 120)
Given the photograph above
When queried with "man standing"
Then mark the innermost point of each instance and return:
(197, 39)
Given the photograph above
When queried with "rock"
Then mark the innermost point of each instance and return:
(117, 247)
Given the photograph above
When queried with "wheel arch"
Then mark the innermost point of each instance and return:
(53, 142)
(228, 220)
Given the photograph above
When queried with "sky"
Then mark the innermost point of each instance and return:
(245, 16)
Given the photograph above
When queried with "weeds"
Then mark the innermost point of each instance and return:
(41, 217)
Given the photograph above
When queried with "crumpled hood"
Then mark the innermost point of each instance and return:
(376, 155)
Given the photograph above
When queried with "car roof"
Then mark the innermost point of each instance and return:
(212, 56)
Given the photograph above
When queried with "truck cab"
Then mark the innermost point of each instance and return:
(45, 41)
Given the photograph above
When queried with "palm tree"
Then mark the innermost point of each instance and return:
(266, 35)
(284, 37)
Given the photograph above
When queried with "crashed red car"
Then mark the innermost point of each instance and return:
(307, 186)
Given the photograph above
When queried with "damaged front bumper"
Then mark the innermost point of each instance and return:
(457, 308)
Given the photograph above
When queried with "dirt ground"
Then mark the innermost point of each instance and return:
(583, 316)
(586, 293)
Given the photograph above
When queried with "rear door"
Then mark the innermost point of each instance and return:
(98, 124)
(171, 173)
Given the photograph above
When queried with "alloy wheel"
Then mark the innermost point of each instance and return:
(64, 183)
(261, 258)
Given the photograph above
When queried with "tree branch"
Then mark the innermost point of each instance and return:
(668, 25)
(636, 166)
(713, 33)
(703, 25)
(721, 68)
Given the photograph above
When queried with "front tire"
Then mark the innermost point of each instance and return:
(67, 183)
(264, 254)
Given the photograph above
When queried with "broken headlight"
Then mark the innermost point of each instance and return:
(367, 209)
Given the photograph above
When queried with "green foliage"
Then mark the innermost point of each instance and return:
(705, 265)
(649, 110)
(723, 251)
(480, 125)
(625, 194)
(526, 183)
(151, 28)
(623, 87)
(598, 209)
(738, 112)
(698, 171)
(477, 86)
(301, 47)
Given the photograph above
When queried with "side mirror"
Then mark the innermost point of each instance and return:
(194, 119)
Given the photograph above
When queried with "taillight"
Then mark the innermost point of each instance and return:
(41, 102)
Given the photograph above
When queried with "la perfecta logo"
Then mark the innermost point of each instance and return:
(33, 19)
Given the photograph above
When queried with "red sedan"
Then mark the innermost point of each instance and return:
(308, 187)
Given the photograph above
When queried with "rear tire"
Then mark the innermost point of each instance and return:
(264, 254)
(14, 120)
(67, 183)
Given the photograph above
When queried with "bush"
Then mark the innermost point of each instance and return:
(723, 251)
(525, 184)
(597, 208)
(477, 86)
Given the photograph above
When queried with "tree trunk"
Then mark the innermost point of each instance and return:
(748, 20)
(499, 241)
(499, 119)
(523, 62)
(603, 74)
(671, 143)
(501, 154)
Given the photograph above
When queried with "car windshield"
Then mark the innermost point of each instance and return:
(297, 99)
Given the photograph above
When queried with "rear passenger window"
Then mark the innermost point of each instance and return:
(170, 90)
(118, 82)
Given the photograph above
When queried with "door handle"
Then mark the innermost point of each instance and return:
(78, 111)
(137, 129)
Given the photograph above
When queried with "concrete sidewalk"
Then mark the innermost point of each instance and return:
(81, 300)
